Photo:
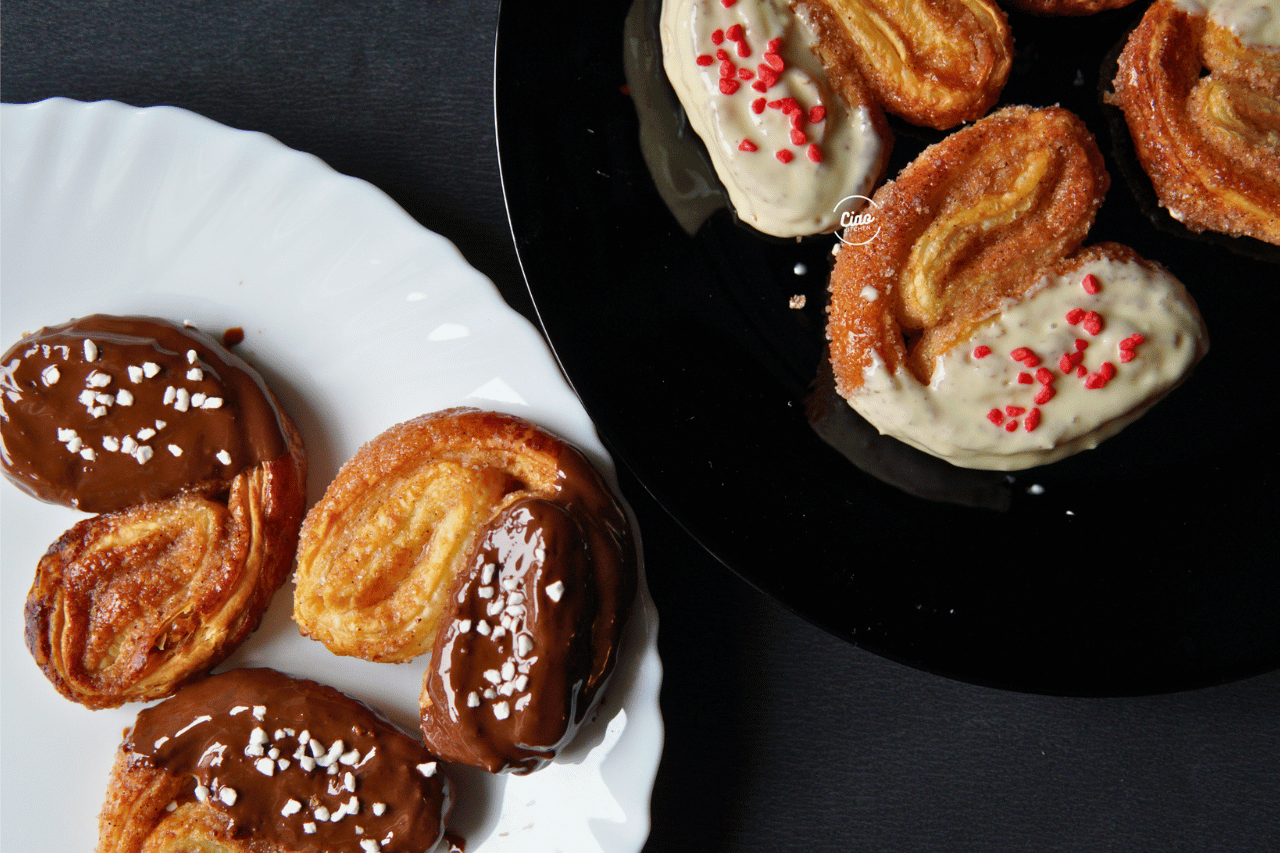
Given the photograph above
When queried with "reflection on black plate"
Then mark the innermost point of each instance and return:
(1144, 565)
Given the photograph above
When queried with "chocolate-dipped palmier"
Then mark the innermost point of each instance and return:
(493, 545)
(254, 760)
(199, 476)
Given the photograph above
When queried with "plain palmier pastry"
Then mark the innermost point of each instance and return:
(254, 761)
(496, 547)
(792, 142)
(934, 63)
(971, 325)
(199, 476)
(1200, 89)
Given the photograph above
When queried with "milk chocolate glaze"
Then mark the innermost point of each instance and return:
(533, 628)
(104, 412)
(282, 756)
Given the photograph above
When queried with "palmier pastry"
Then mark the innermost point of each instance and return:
(493, 545)
(935, 63)
(970, 325)
(793, 143)
(252, 760)
(200, 478)
(1201, 96)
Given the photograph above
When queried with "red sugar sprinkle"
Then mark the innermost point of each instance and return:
(705, 59)
(728, 85)
(1094, 381)
(1021, 353)
(734, 33)
(747, 145)
(1075, 315)
(1032, 421)
(759, 86)
(813, 152)
(1064, 364)
(1044, 376)
(1026, 379)
(743, 50)
(817, 114)
(1091, 284)
(775, 44)
(1011, 426)
(1081, 344)
(1127, 343)
(1137, 338)
(774, 61)
(797, 120)
(1080, 371)
(784, 156)
(995, 416)
(757, 106)
(727, 3)
(982, 351)
(717, 36)
(767, 75)
(1107, 370)
(722, 55)
(745, 73)
(727, 68)
(1092, 323)
(798, 137)
(1126, 356)
(1044, 395)
(1014, 411)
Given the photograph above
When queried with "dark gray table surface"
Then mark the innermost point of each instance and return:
(779, 737)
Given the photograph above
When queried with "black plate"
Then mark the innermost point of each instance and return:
(1146, 565)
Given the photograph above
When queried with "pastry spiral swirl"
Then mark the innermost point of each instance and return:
(200, 479)
(977, 251)
(1203, 110)
(935, 63)
(438, 521)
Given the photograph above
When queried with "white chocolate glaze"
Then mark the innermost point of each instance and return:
(677, 161)
(949, 418)
(785, 199)
(1255, 22)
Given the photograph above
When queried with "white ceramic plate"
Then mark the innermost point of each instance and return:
(359, 318)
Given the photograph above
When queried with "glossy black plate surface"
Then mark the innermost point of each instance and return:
(1146, 565)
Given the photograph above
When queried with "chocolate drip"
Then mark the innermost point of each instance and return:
(330, 753)
(532, 633)
(105, 412)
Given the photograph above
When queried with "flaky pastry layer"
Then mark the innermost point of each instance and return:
(1203, 110)
(129, 605)
(379, 553)
(974, 220)
(935, 63)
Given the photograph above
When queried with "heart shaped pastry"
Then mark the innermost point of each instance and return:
(965, 320)
(200, 479)
(494, 546)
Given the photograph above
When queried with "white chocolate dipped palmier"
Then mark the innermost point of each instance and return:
(793, 143)
(974, 328)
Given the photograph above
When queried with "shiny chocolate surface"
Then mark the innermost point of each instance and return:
(103, 412)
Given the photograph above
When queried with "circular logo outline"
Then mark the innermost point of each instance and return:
(840, 233)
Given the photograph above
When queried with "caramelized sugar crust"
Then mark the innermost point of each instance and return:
(1203, 110)
(129, 605)
(975, 220)
(380, 552)
(935, 63)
